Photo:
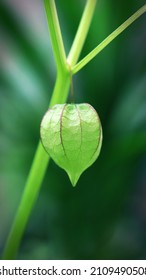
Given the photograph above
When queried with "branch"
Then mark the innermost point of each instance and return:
(55, 34)
(108, 40)
(81, 32)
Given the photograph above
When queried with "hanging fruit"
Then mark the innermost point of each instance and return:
(72, 136)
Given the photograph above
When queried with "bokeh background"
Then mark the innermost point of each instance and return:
(104, 216)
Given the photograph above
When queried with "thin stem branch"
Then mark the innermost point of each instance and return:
(55, 34)
(81, 32)
(108, 40)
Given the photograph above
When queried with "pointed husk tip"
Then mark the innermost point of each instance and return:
(74, 179)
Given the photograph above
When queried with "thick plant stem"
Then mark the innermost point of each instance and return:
(29, 196)
(35, 178)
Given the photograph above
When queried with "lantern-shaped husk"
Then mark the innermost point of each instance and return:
(72, 136)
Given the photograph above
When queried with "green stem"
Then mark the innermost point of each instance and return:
(40, 161)
(81, 32)
(34, 180)
(29, 197)
(108, 40)
(55, 33)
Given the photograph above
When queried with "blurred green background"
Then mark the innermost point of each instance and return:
(104, 216)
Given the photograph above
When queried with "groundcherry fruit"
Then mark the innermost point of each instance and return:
(72, 136)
